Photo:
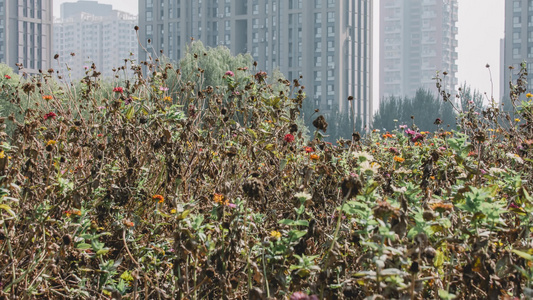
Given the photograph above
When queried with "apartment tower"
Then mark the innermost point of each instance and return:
(95, 34)
(26, 34)
(517, 43)
(327, 42)
(418, 38)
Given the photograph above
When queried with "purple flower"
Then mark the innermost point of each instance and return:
(229, 73)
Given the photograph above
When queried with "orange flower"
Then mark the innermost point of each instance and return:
(399, 159)
(159, 198)
(313, 156)
(219, 198)
(128, 223)
(388, 135)
(47, 97)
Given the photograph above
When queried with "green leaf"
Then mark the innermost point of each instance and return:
(83, 246)
(184, 214)
(129, 112)
(126, 276)
(524, 255)
(301, 223)
(8, 210)
(250, 131)
(443, 294)
(286, 222)
(296, 234)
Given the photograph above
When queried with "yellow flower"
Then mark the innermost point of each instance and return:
(159, 198)
(2, 155)
(517, 120)
(173, 211)
(529, 95)
(50, 142)
(167, 98)
(399, 159)
(275, 234)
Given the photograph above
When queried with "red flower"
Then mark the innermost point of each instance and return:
(50, 115)
(309, 149)
(118, 89)
(7, 76)
(289, 138)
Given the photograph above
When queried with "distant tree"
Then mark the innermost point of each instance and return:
(469, 97)
(422, 110)
(214, 63)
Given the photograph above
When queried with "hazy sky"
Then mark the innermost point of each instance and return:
(481, 26)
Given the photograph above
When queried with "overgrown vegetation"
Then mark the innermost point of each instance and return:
(138, 190)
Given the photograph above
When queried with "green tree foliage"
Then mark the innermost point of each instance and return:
(213, 62)
(423, 109)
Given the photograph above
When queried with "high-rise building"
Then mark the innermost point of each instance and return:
(94, 34)
(417, 39)
(328, 42)
(26, 34)
(518, 43)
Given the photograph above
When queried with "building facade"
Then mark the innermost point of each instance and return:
(517, 43)
(93, 33)
(417, 39)
(327, 42)
(26, 34)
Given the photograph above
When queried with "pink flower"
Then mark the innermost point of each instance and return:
(118, 89)
(410, 132)
(289, 138)
(163, 88)
(229, 73)
(49, 115)
(402, 126)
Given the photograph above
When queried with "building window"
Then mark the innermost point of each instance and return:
(318, 4)
(318, 75)
(331, 31)
(516, 37)
(517, 22)
(318, 46)
(516, 53)
(318, 61)
(331, 17)
(318, 32)
(516, 6)
(318, 18)
(149, 16)
(331, 3)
